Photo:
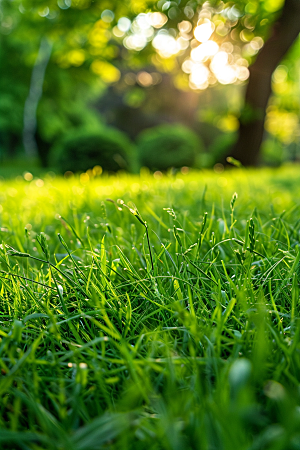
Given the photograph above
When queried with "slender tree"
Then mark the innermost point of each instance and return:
(35, 93)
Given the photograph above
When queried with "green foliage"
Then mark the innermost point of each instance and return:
(168, 146)
(272, 152)
(221, 146)
(173, 324)
(88, 47)
(61, 118)
(83, 149)
(66, 114)
(12, 98)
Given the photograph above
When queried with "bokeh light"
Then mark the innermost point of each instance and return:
(204, 51)
(165, 44)
(158, 19)
(218, 51)
(204, 31)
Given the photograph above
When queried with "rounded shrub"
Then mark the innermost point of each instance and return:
(84, 149)
(165, 146)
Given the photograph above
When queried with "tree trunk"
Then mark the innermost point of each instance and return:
(35, 93)
(283, 34)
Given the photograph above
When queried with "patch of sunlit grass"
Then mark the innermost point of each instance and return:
(153, 311)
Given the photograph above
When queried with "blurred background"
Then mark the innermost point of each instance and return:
(111, 85)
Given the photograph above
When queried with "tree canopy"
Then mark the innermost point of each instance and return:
(89, 34)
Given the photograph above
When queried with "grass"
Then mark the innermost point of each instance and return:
(151, 313)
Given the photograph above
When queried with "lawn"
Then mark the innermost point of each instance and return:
(152, 312)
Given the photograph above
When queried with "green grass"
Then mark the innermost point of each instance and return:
(166, 317)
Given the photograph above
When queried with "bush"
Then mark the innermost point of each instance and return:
(166, 146)
(84, 149)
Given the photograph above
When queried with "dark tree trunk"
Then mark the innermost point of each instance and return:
(283, 34)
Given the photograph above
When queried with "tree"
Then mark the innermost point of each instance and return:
(91, 41)
(55, 55)
(267, 28)
(283, 34)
